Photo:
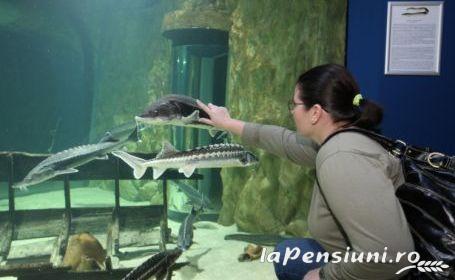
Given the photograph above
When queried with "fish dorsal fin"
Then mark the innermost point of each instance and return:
(166, 150)
(108, 137)
(193, 117)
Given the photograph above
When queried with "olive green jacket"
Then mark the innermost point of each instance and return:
(359, 179)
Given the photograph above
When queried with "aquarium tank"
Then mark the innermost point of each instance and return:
(85, 192)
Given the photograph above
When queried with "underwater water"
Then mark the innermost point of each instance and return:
(77, 73)
(71, 72)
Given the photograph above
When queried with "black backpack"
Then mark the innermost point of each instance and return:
(428, 200)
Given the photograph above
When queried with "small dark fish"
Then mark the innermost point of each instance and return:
(196, 198)
(259, 239)
(175, 109)
(185, 238)
(159, 265)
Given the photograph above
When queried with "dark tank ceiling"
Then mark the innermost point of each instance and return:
(46, 87)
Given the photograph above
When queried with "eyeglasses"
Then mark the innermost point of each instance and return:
(292, 105)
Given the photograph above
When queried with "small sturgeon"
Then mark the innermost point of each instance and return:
(159, 266)
(212, 156)
(194, 196)
(185, 238)
(65, 162)
(178, 110)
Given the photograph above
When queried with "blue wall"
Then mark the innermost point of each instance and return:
(418, 109)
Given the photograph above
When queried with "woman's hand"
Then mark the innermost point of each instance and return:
(220, 118)
(312, 275)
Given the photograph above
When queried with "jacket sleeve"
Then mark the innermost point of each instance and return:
(362, 197)
(280, 141)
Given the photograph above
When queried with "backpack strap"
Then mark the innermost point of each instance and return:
(385, 142)
(399, 148)
(394, 146)
(337, 222)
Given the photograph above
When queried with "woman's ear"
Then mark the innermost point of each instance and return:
(315, 114)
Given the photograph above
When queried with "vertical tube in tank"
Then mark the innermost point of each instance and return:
(199, 70)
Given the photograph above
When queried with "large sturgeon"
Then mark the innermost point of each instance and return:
(178, 110)
(212, 156)
(65, 162)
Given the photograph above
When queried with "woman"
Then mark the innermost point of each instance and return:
(358, 177)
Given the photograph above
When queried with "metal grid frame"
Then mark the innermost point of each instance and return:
(15, 165)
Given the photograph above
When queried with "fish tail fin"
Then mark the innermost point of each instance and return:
(138, 164)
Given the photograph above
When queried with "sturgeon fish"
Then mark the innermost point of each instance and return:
(159, 265)
(178, 110)
(65, 162)
(212, 156)
(194, 196)
(185, 237)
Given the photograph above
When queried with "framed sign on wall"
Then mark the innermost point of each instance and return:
(413, 42)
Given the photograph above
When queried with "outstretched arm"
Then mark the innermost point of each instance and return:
(277, 140)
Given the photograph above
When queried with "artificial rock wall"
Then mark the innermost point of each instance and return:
(270, 45)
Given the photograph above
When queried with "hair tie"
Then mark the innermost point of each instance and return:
(357, 98)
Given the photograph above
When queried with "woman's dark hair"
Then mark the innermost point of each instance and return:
(334, 88)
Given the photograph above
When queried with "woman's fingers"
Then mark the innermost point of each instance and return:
(217, 115)
(203, 107)
(206, 121)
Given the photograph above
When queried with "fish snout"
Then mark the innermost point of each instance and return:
(147, 114)
(140, 119)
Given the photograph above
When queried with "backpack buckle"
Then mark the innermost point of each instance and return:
(398, 148)
(431, 156)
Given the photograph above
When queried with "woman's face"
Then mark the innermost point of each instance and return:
(302, 116)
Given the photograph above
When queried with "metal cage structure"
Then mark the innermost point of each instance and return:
(122, 226)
